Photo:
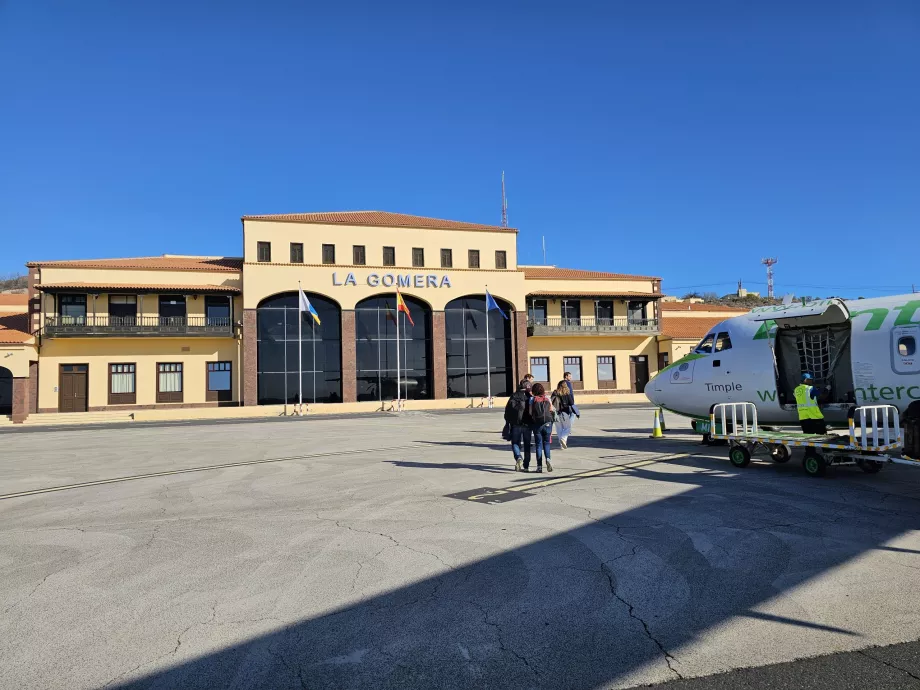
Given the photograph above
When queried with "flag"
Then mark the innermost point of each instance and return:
(492, 304)
(401, 306)
(305, 306)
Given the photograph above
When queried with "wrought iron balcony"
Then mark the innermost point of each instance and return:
(590, 325)
(136, 326)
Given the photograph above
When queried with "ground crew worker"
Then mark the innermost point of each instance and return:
(811, 418)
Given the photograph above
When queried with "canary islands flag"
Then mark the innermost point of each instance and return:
(305, 306)
(401, 306)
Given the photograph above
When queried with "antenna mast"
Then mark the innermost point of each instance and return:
(769, 264)
(504, 203)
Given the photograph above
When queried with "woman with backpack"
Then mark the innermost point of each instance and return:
(565, 410)
(518, 423)
(542, 416)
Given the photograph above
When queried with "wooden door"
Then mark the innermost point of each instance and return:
(72, 390)
(638, 369)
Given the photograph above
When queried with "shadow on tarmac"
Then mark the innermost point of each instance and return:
(586, 607)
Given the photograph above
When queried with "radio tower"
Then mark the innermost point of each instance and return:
(504, 203)
(769, 264)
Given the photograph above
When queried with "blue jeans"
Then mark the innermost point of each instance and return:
(520, 435)
(542, 433)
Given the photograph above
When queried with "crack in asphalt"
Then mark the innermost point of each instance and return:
(863, 652)
(668, 657)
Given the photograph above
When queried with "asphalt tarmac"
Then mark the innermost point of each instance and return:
(404, 551)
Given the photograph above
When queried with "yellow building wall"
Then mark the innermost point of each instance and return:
(127, 276)
(16, 358)
(314, 235)
(264, 280)
(591, 286)
(589, 348)
(677, 347)
(99, 352)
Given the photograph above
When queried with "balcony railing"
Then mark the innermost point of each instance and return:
(590, 325)
(145, 326)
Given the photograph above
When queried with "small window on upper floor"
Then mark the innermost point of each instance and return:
(447, 258)
(328, 253)
(358, 257)
(296, 252)
(264, 251)
(389, 256)
(723, 342)
(474, 258)
(705, 346)
(418, 257)
(501, 258)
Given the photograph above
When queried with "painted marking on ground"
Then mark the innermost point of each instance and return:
(166, 473)
(488, 495)
(493, 496)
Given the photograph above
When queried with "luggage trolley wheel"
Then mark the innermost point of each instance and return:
(870, 466)
(814, 463)
(739, 456)
(780, 453)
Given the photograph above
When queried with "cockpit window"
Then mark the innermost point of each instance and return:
(723, 342)
(705, 346)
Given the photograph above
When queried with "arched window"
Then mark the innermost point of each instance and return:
(320, 346)
(465, 319)
(6, 391)
(375, 349)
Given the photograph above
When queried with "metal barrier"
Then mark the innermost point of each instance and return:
(748, 421)
(869, 423)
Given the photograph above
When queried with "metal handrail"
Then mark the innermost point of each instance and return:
(593, 323)
(869, 424)
(748, 421)
(105, 324)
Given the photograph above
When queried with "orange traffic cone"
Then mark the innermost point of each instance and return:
(656, 429)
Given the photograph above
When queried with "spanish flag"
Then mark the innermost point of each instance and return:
(401, 306)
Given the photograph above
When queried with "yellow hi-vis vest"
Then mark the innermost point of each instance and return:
(807, 406)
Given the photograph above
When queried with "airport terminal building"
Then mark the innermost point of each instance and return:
(180, 332)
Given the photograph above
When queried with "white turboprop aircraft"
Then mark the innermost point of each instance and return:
(867, 351)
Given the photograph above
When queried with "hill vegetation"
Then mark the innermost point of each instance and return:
(13, 282)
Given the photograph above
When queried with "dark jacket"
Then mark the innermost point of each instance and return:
(571, 392)
(520, 398)
(562, 403)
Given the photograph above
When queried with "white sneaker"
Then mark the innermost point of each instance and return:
(562, 443)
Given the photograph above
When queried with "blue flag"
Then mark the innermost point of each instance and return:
(492, 304)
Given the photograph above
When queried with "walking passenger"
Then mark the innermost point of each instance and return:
(568, 382)
(541, 412)
(564, 413)
(517, 416)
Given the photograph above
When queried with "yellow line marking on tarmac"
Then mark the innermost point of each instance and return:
(166, 473)
(596, 473)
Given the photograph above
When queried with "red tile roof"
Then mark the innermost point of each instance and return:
(694, 306)
(172, 263)
(14, 328)
(688, 326)
(553, 273)
(122, 287)
(566, 292)
(383, 219)
(14, 300)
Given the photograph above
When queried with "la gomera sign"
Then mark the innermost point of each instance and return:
(402, 280)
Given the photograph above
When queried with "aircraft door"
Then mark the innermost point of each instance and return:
(905, 343)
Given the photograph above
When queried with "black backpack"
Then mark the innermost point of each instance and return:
(542, 411)
(515, 409)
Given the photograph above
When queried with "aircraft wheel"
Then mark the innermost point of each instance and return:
(870, 466)
(780, 454)
(739, 456)
(814, 463)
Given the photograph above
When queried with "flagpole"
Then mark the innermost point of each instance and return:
(285, 361)
(488, 354)
(397, 350)
(313, 327)
(299, 352)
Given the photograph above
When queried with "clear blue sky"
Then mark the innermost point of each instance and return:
(682, 139)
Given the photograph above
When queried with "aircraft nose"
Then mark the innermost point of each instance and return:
(654, 390)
